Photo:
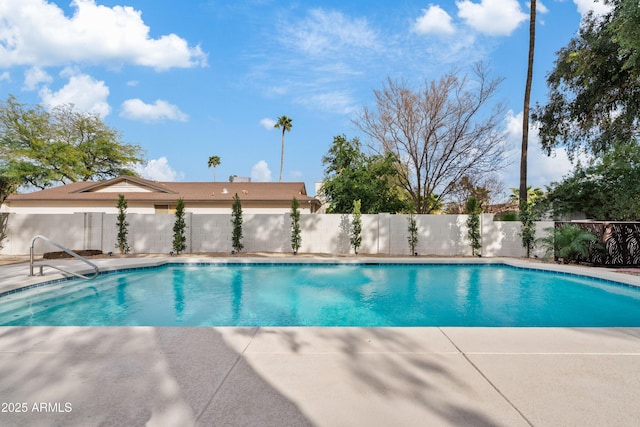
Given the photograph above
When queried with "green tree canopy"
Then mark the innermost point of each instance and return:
(594, 88)
(605, 190)
(352, 175)
(215, 162)
(40, 148)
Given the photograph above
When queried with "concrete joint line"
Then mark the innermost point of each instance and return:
(524, 417)
(490, 353)
(215, 392)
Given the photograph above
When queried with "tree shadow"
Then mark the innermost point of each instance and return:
(4, 220)
(389, 366)
(136, 376)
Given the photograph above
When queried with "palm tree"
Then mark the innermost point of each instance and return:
(525, 110)
(283, 122)
(214, 161)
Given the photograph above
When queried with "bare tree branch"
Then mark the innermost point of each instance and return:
(440, 133)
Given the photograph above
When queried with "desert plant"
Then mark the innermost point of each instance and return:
(569, 243)
(179, 239)
(413, 234)
(122, 225)
(236, 221)
(356, 227)
(473, 224)
(296, 238)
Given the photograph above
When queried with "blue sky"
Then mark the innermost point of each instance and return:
(194, 78)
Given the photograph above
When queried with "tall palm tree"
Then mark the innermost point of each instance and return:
(214, 161)
(527, 216)
(525, 110)
(283, 122)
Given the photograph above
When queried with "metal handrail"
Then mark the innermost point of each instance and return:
(70, 252)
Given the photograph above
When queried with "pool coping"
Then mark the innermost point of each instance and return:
(13, 283)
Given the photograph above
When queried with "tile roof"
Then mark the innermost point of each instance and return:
(171, 191)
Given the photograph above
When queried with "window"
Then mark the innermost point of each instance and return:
(165, 209)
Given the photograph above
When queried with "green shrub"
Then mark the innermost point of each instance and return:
(236, 221)
(179, 239)
(122, 225)
(413, 234)
(506, 216)
(296, 238)
(356, 227)
(473, 224)
(569, 243)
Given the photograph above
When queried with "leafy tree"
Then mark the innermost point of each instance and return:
(594, 88)
(482, 189)
(285, 123)
(8, 186)
(473, 224)
(236, 221)
(179, 239)
(39, 148)
(122, 225)
(352, 175)
(412, 228)
(214, 161)
(569, 242)
(438, 133)
(296, 238)
(356, 227)
(605, 190)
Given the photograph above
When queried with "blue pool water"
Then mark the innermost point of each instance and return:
(327, 295)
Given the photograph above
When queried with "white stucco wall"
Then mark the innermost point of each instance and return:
(444, 235)
(132, 209)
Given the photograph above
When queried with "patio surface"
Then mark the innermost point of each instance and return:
(299, 376)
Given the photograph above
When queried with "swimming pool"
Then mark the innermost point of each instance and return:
(326, 295)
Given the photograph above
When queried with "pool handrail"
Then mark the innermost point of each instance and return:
(68, 251)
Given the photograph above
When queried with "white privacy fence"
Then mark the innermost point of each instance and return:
(444, 235)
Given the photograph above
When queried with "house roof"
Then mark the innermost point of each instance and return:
(144, 190)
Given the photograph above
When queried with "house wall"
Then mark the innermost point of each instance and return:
(38, 207)
(444, 235)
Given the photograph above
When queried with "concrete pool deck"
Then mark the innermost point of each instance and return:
(316, 376)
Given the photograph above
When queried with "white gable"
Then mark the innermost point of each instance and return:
(123, 186)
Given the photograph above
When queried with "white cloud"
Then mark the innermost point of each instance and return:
(5, 76)
(540, 8)
(542, 170)
(598, 6)
(333, 102)
(132, 83)
(83, 91)
(34, 76)
(493, 17)
(434, 20)
(260, 172)
(158, 170)
(325, 31)
(267, 123)
(36, 32)
(136, 109)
